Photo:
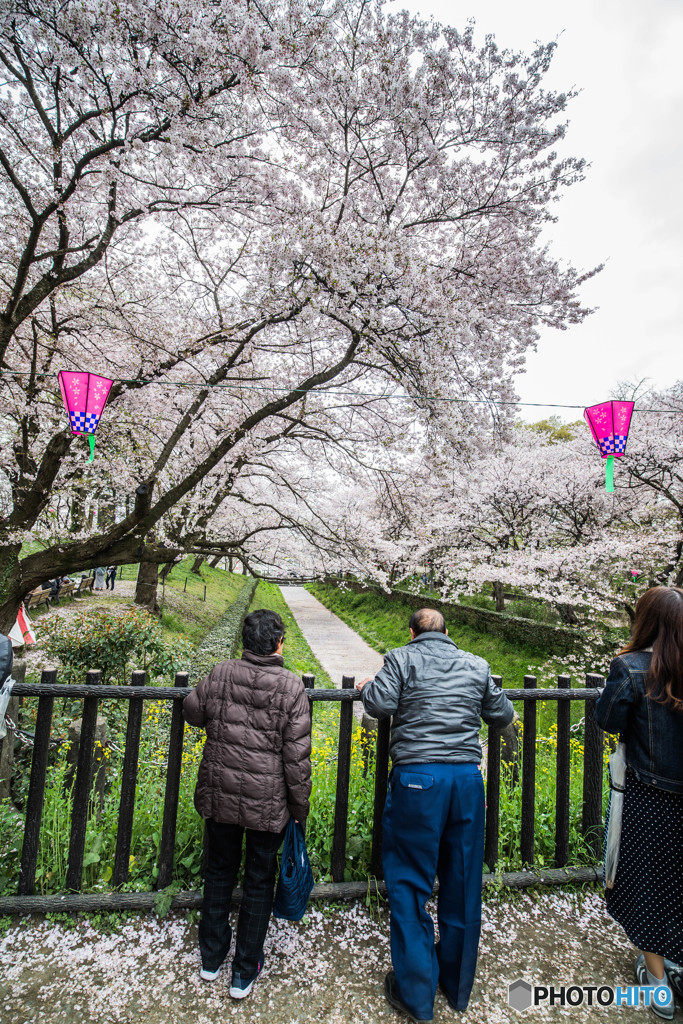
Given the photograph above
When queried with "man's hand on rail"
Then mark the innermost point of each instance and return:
(361, 684)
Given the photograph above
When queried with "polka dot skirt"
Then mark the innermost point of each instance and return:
(647, 898)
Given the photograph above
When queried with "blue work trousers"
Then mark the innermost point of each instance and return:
(433, 826)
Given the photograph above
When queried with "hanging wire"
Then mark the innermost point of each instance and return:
(341, 394)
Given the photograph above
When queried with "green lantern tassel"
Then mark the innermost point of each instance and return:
(91, 442)
(609, 474)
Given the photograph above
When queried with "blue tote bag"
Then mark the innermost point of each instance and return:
(296, 878)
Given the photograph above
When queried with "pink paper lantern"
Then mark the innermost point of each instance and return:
(85, 396)
(609, 423)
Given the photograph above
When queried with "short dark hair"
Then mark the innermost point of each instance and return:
(427, 620)
(262, 632)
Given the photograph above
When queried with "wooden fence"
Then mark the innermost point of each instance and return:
(92, 692)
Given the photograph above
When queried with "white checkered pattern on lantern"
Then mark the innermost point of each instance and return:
(82, 423)
(620, 443)
(606, 445)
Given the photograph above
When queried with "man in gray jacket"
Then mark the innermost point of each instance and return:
(433, 823)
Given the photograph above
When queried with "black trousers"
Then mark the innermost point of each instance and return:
(223, 862)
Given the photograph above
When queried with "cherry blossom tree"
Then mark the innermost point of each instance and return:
(532, 513)
(231, 212)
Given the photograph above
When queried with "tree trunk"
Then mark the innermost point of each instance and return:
(567, 614)
(77, 510)
(499, 597)
(146, 589)
(213, 562)
(197, 564)
(7, 748)
(10, 586)
(166, 568)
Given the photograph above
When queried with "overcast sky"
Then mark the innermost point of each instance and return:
(626, 57)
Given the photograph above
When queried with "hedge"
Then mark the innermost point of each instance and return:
(224, 639)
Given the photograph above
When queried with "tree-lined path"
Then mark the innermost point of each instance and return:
(340, 650)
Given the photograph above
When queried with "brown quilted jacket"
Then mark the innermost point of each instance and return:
(256, 767)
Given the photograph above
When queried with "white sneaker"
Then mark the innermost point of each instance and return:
(209, 975)
(239, 987)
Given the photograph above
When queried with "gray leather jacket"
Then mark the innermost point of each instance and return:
(438, 695)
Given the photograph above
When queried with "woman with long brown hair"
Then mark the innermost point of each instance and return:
(643, 702)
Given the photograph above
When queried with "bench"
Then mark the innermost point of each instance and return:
(38, 598)
(84, 585)
(66, 590)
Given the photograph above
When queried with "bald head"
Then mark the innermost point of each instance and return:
(427, 620)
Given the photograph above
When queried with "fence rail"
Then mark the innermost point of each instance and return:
(92, 692)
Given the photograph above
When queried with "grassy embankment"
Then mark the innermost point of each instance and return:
(383, 623)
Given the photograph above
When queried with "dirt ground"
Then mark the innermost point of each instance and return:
(330, 967)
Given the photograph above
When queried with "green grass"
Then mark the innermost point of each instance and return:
(299, 658)
(383, 623)
(184, 611)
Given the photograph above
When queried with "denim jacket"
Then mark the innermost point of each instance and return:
(653, 732)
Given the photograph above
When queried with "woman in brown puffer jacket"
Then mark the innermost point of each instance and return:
(255, 773)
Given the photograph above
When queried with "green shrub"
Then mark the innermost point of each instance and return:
(479, 601)
(536, 610)
(11, 840)
(114, 644)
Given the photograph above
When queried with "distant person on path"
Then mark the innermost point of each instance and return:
(255, 773)
(99, 578)
(433, 823)
(111, 576)
(643, 700)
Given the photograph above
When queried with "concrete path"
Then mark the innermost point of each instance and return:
(330, 967)
(340, 651)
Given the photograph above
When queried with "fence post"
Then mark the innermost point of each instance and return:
(381, 781)
(81, 798)
(528, 775)
(309, 682)
(562, 770)
(593, 740)
(341, 801)
(175, 757)
(492, 798)
(129, 778)
(36, 789)
(205, 591)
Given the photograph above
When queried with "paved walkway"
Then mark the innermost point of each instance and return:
(340, 650)
(330, 967)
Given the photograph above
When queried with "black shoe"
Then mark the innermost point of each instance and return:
(393, 999)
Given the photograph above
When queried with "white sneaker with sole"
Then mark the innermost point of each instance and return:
(209, 975)
(239, 988)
